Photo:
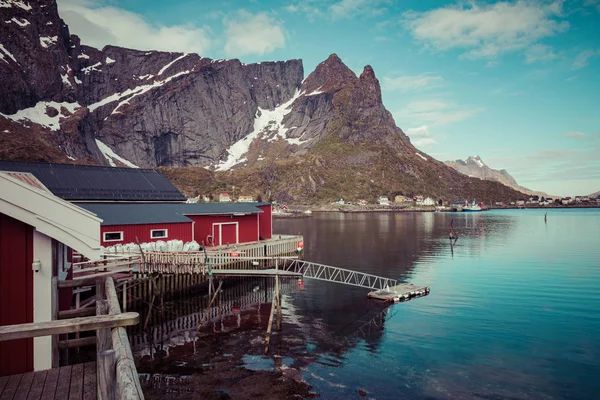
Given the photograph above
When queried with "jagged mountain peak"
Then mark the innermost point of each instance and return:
(329, 76)
(475, 160)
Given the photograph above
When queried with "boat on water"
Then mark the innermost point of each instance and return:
(473, 207)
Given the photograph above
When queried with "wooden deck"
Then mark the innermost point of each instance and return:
(71, 382)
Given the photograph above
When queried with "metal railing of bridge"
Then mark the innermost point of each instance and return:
(335, 274)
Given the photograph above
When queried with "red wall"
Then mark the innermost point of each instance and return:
(266, 221)
(203, 226)
(181, 231)
(16, 292)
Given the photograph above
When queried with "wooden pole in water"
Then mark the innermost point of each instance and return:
(278, 296)
(270, 324)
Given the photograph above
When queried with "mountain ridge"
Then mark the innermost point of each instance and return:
(259, 126)
(474, 166)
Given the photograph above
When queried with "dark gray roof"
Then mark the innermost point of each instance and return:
(90, 183)
(219, 208)
(161, 213)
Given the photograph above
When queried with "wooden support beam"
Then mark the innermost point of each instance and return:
(76, 283)
(72, 343)
(35, 329)
(81, 312)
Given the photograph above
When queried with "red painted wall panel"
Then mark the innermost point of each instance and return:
(180, 231)
(265, 220)
(16, 292)
(203, 226)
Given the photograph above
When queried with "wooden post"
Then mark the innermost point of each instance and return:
(107, 375)
(270, 324)
(54, 311)
(128, 383)
(279, 316)
(125, 296)
(103, 341)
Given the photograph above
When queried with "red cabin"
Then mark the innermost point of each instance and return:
(37, 232)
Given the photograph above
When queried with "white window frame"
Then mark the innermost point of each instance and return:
(112, 240)
(159, 237)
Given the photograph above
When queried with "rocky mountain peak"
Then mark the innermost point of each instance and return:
(330, 76)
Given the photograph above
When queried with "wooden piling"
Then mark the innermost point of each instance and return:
(270, 324)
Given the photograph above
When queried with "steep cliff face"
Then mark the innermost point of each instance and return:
(35, 49)
(260, 126)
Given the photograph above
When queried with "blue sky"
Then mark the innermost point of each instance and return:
(515, 82)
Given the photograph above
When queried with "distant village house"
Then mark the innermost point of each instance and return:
(224, 197)
(383, 201)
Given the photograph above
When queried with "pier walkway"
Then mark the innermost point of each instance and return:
(329, 273)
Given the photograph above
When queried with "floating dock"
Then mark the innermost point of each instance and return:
(398, 293)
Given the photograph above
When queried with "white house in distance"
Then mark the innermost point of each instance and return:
(383, 201)
(224, 197)
(38, 232)
(429, 202)
(245, 199)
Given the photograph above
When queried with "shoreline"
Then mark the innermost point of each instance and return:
(298, 211)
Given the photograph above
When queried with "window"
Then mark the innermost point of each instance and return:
(159, 233)
(113, 236)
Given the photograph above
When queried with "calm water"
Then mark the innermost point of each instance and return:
(514, 309)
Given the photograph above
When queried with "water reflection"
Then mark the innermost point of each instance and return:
(512, 312)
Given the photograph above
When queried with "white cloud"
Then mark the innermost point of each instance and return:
(424, 143)
(337, 9)
(98, 25)
(539, 52)
(433, 112)
(248, 33)
(488, 30)
(575, 134)
(350, 8)
(582, 59)
(422, 137)
(411, 82)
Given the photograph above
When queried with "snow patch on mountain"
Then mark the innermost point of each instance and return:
(477, 161)
(91, 68)
(266, 122)
(10, 3)
(111, 156)
(420, 155)
(109, 60)
(6, 52)
(46, 41)
(37, 114)
(22, 23)
(163, 69)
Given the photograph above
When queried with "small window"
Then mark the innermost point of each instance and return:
(159, 233)
(113, 236)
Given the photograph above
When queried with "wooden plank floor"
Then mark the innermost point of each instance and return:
(71, 382)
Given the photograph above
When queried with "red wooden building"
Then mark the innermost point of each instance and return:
(213, 223)
(142, 205)
(37, 231)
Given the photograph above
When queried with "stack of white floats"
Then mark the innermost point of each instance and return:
(171, 246)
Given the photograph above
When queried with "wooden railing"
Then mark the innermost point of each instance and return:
(191, 262)
(116, 372)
